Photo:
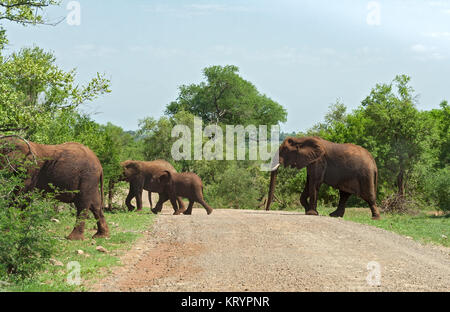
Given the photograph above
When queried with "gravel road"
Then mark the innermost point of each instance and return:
(239, 250)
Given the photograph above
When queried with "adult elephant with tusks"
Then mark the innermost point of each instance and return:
(347, 167)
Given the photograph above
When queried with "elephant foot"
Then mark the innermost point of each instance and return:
(154, 211)
(139, 209)
(312, 213)
(376, 217)
(209, 212)
(178, 212)
(75, 237)
(337, 214)
(100, 235)
(130, 209)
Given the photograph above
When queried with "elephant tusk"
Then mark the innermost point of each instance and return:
(276, 167)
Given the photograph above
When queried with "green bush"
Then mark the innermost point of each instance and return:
(26, 244)
(289, 185)
(235, 188)
(438, 188)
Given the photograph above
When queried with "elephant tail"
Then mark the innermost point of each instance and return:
(101, 189)
(376, 181)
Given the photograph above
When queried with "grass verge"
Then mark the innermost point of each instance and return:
(422, 227)
(125, 229)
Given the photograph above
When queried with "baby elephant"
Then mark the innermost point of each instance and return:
(187, 184)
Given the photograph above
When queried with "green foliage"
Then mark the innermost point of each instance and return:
(290, 184)
(33, 90)
(438, 188)
(396, 127)
(227, 98)
(125, 228)
(26, 244)
(236, 187)
(438, 123)
(25, 11)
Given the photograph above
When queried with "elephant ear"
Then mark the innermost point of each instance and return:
(309, 150)
(131, 168)
(165, 178)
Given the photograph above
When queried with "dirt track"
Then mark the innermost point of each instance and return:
(235, 250)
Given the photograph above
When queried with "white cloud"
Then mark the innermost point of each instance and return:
(94, 50)
(158, 52)
(211, 8)
(425, 53)
(420, 48)
(438, 3)
(438, 35)
(193, 9)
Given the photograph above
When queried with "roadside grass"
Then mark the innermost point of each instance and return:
(125, 228)
(423, 227)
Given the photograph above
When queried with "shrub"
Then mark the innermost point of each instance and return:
(289, 185)
(234, 188)
(438, 188)
(401, 204)
(26, 244)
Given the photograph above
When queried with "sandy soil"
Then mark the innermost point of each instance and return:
(236, 250)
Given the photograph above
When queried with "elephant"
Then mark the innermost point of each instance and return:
(186, 184)
(72, 168)
(139, 174)
(347, 167)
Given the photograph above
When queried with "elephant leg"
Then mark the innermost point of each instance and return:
(82, 214)
(340, 211)
(129, 199)
(304, 196)
(163, 197)
(173, 201)
(313, 192)
(373, 206)
(202, 202)
(102, 227)
(375, 211)
(181, 206)
(139, 200)
(150, 199)
(199, 198)
(315, 174)
(189, 210)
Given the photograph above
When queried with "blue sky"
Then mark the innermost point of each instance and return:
(302, 54)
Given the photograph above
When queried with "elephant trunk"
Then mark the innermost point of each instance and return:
(273, 179)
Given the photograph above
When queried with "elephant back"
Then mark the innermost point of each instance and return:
(162, 165)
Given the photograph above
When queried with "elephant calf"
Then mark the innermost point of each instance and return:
(139, 174)
(187, 184)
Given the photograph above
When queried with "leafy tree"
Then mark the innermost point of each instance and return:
(156, 137)
(33, 89)
(236, 187)
(25, 11)
(227, 98)
(394, 123)
(439, 119)
(337, 114)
